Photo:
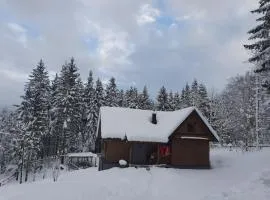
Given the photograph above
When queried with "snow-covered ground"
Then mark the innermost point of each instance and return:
(235, 176)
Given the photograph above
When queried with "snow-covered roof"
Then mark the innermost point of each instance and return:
(135, 124)
(82, 154)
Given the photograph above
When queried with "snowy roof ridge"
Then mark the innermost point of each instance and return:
(135, 124)
(207, 124)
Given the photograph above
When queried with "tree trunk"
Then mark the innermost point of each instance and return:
(22, 163)
(21, 173)
(27, 169)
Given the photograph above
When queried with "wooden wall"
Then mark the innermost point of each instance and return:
(190, 153)
(133, 152)
(115, 150)
(198, 127)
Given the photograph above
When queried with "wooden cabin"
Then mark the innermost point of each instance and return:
(143, 137)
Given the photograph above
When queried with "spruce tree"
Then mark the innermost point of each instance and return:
(260, 48)
(34, 118)
(178, 101)
(25, 145)
(35, 110)
(56, 121)
(144, 100)
(69, 105)
(162, 100)
(90, 112)
(98, 102)
(121, 99)
(132, 98)
(171, 101)
(79, 143)
(8, 137)
(186, 96)
(111, 93)
(194, 93)
(204, 102)
(99, 95)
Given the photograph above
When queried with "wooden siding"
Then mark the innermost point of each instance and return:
(199, 128)
(116, 150)
(190, 153)
(113, 150)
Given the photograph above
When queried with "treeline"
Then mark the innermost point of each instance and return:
(234, 111)
(60, 116)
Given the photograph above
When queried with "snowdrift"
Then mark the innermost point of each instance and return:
(235, 176)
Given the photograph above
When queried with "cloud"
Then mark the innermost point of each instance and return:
(19, 33)
(144, 42)
(14, 75)
(11, 83)
(195, 15)
(16, 28)
(147, 14)
(113, 46)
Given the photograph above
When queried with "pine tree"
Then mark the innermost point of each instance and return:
(40, 85)
(111, 94)
(144, 100)
(121, 99)
(186, 96)
(194, 96)
(171, 102)
(34, 118)
(80, 144)
(261, 47)
(220, 119)
(99, 101)
(99, 97)
(162, 100)
(90, 112)
(56, 121)
(25, 145)
(203, 100)
(69, 106)
(35, 110)
(8, 136)
(132, 98)
(178, 101)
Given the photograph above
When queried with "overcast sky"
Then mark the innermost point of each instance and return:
(158, 42)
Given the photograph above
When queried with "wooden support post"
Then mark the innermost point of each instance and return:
(158, 154)
(130, 153)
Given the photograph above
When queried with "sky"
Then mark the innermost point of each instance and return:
(142, 42)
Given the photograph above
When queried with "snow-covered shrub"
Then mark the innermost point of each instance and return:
(230, 146)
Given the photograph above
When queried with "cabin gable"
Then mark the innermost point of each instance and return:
(193, 125)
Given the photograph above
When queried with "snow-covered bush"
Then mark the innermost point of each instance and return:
(230, 146)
